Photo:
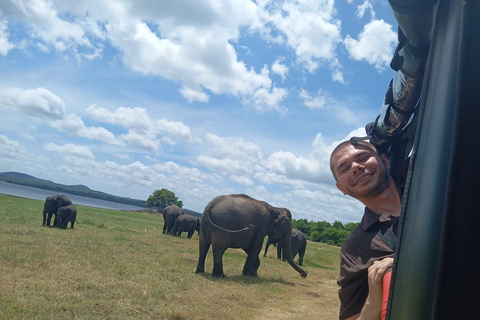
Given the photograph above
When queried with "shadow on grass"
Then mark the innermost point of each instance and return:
(246, 279)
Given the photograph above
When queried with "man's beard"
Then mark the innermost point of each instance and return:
(379, 187)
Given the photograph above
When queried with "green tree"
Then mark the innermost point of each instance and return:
(163, 198)
(338, 225)
(351, 226)
(302, 225)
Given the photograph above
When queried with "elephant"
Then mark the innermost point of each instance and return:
(51, 207)
(170, 215)
(298, 246)
(186, 223)
(65, 215)
(239, 221)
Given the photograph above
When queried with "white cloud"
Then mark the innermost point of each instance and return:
(39, 103)
(175, 42)
(5, 45)
(143, 131)
(242, 180)
(280, 69)
(263, 100)
(74, 126)
(375, 44)
(142, 141)
(363, 8)
(234, 148)
(230, 155)
(70, 149)
(51, 31)
(308, 27)
(11, 149)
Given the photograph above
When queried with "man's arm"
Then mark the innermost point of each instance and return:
(372, 309)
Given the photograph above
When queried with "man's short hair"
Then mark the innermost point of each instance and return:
(350, 143)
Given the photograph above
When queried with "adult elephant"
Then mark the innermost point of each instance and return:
(298, 246)
(170, 215)
(239, 221)
(186, 223)
(65, 215)
(51, 206)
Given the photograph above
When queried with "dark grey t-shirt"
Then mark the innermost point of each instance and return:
(373, 239)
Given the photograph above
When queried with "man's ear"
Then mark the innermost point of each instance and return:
(340, 188)
(386, 161)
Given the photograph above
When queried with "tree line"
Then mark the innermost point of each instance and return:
(326, 232)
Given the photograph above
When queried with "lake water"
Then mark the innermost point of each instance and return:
(41, 194)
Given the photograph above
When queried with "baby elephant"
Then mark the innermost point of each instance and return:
(186, 223)
(64, 215)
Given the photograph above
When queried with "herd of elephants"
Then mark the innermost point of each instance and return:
(228, 221)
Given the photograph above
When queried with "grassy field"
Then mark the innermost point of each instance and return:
(119, 265)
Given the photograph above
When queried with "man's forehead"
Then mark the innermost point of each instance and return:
(348, 151)
(358, 148)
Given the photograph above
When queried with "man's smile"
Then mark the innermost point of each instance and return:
(362, 178)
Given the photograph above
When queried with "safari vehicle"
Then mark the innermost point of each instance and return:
(436, 273)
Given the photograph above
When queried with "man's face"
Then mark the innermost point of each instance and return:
(360, 172)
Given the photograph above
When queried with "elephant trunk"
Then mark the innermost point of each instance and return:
(287, 253)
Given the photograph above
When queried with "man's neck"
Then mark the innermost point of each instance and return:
(388, 201)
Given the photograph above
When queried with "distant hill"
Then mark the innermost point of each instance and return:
(79, 190)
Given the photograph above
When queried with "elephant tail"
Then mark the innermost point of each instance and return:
(247, 228)
(77, 221)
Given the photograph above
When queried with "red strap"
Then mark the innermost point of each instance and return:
(386, 290)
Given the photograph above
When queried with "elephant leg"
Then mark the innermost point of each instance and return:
(301, 253)
(169, 228)
(44, 219)
(280, 252)
(190, 234)
(72, 222)
(203, 247)
(218, 251)
(164, 227)
(251, 265)
(49, 218)
(253, 261)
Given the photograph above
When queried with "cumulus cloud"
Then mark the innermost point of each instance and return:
(11, 149)
(308, 27)
(230, 155)
(279, 68)
(5, 45)
(375, 44)
(49, 30)
(143, 131)
(242, 180)
(39, 103)
(74, 126)
(189, 43)
(363, 8)
(264, 100)
(69, 149)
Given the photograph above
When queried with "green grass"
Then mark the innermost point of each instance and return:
(109, 267)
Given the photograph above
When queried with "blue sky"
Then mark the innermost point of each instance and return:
(202, 97)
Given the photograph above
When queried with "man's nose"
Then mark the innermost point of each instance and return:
(357, 168)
